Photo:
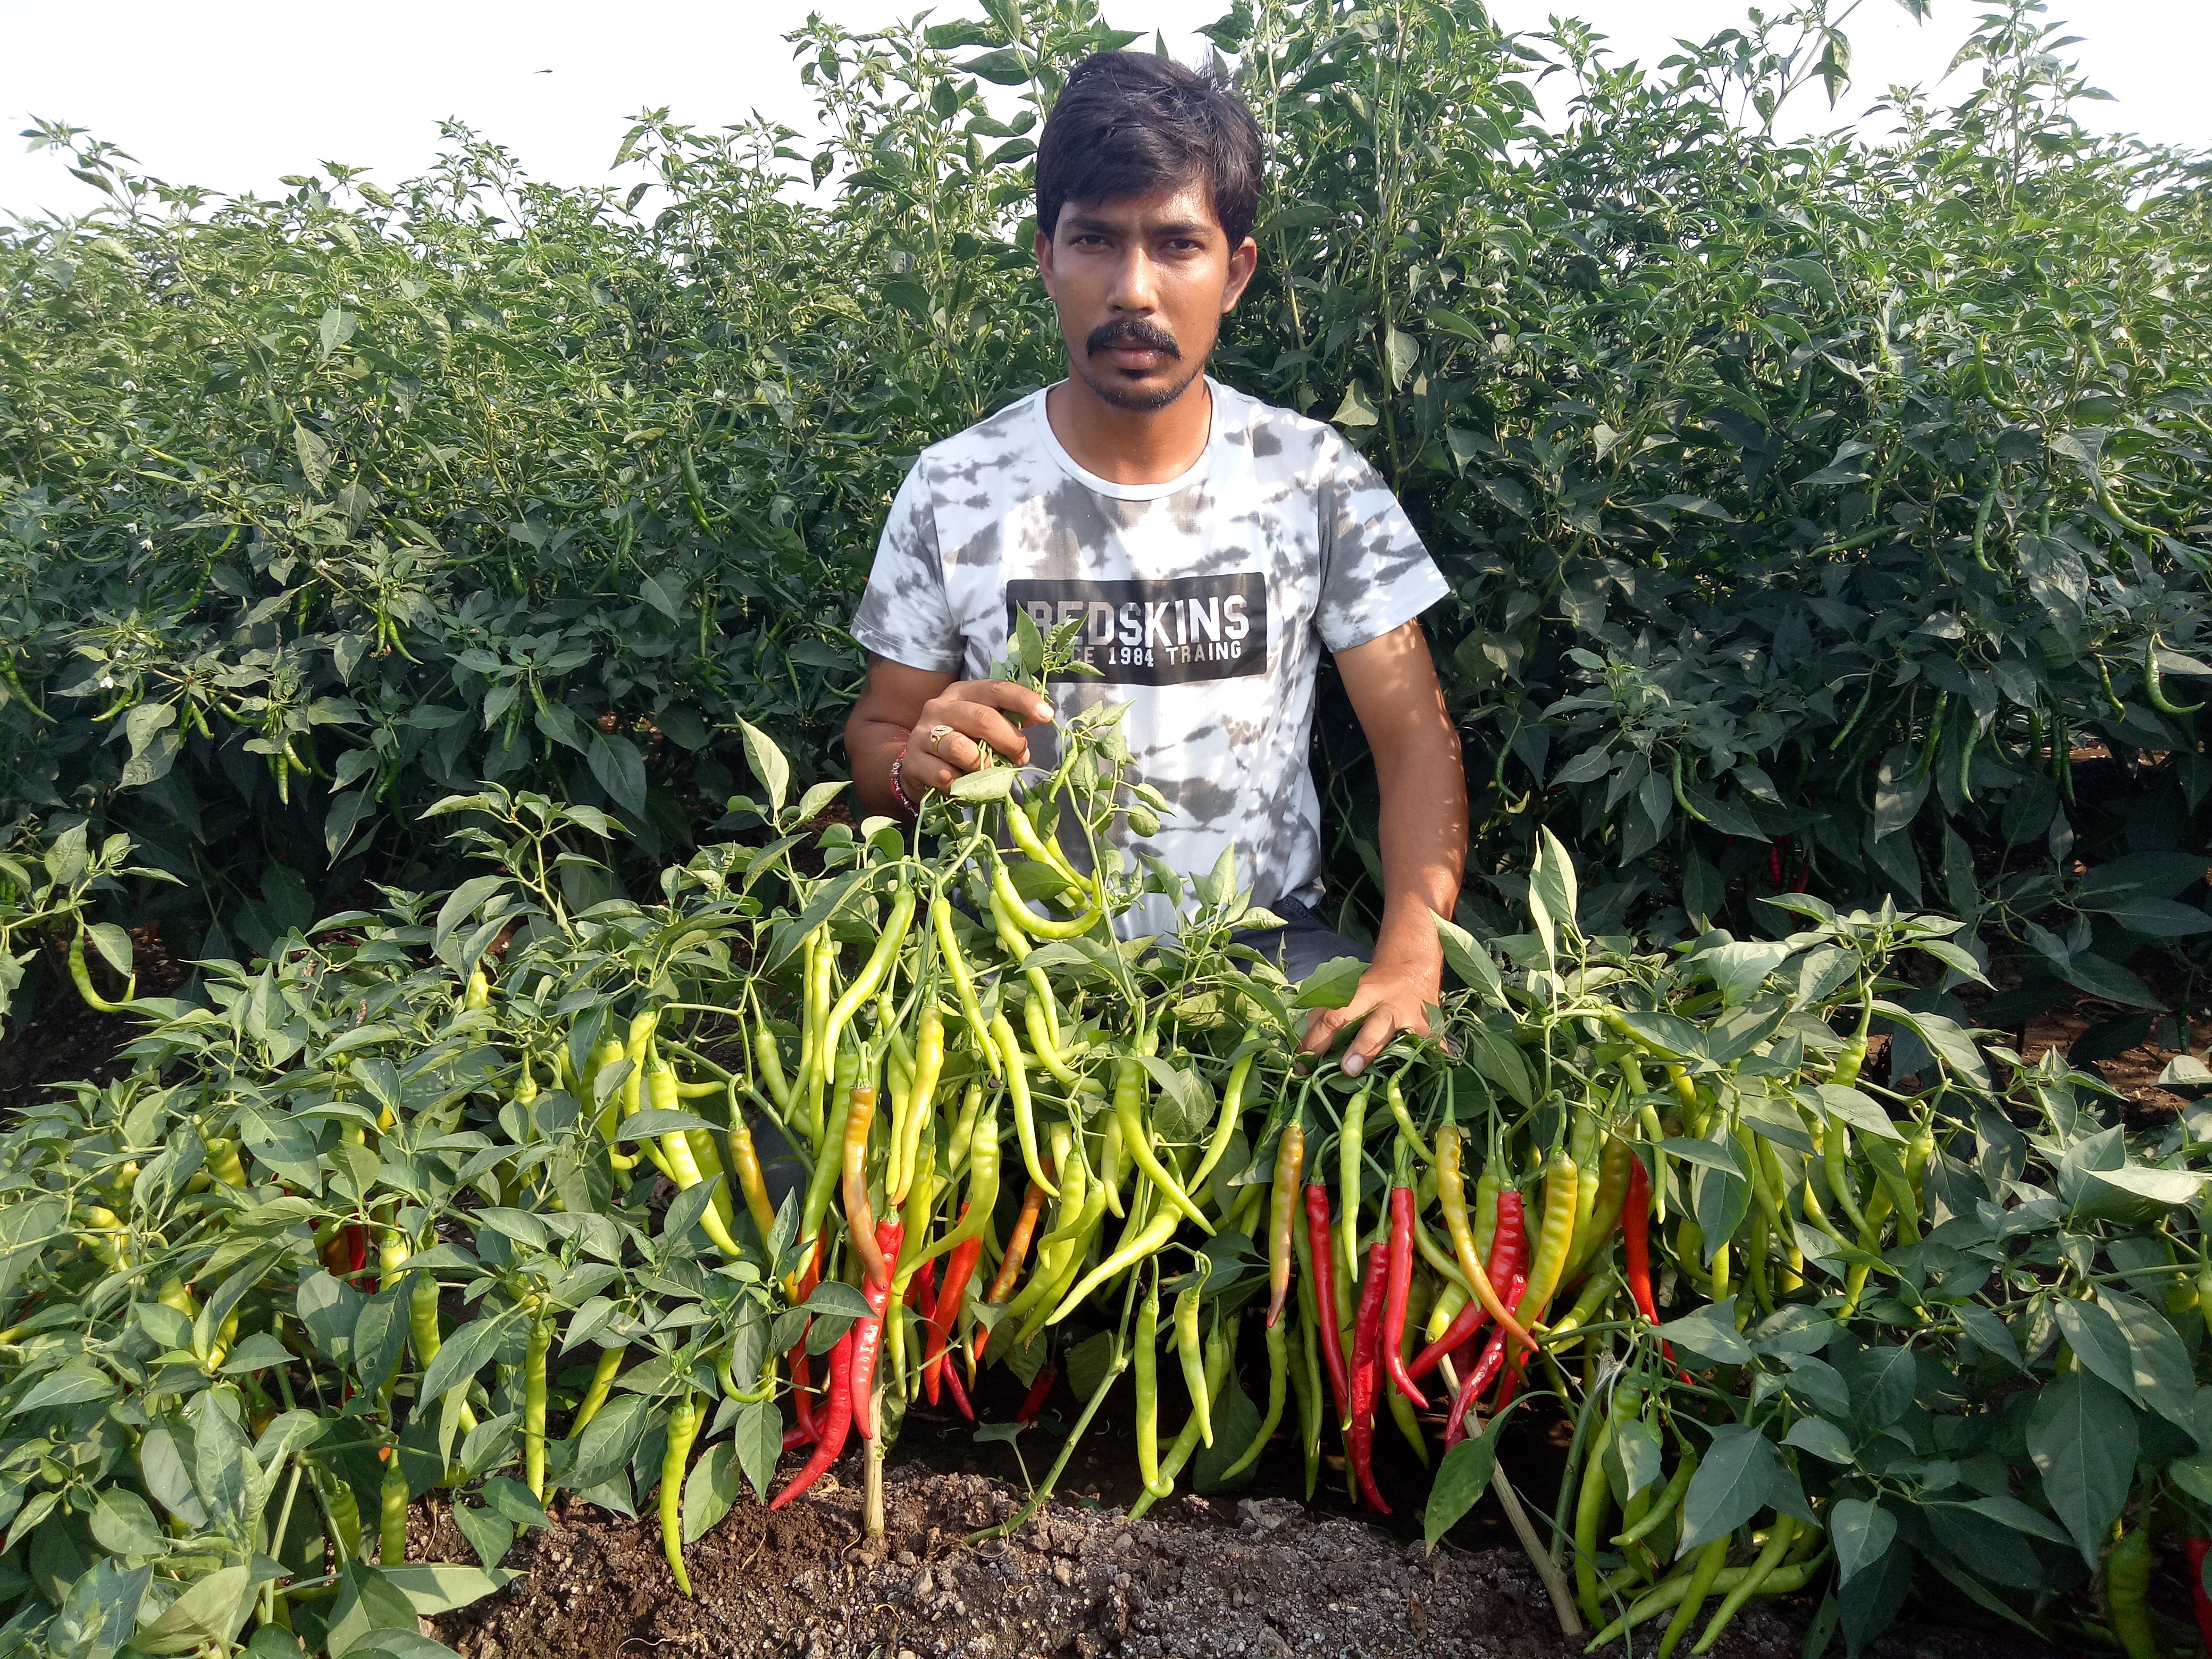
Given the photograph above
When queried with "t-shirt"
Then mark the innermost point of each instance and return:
(1205, 601)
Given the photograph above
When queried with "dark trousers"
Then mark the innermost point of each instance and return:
(1303, 943)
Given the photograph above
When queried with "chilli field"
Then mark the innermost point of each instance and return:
(494, 1144)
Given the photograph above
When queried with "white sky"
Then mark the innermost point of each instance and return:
(230, 94)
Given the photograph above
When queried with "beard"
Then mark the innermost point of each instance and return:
(1118, 393)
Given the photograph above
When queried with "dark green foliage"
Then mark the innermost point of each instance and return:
(1826, 491)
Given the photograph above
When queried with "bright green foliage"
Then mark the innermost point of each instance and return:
(213, 1355)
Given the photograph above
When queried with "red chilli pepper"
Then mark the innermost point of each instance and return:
(868, 1333)
(1636, 1241)
(1507, 1388)
(959, 1268)
(802, 1403)
(1324, 1285)
(921, 1287)
(1367, 1374)
(1040, 1391)
(2196, 1549)
(959, 1392)
(1398, 1289)
(836, 1423)
(1508, 1250)
(1636, 1245)
(1774, 860)
(1493, 1356)
(802, 1400)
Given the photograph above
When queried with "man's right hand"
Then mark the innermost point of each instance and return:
(943, 725)
(955, 725)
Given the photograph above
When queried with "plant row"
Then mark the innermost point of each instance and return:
(487, 1196)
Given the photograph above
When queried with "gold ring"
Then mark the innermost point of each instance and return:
(937, 734)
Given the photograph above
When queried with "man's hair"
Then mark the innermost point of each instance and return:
(1134, 124)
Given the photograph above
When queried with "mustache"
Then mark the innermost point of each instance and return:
(1130, 330)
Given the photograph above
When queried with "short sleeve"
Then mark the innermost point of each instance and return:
(1375, 574)
(905, 615)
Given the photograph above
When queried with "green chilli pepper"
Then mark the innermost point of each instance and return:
(1188, 1350)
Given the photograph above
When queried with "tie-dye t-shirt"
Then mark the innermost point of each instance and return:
(1206, 602)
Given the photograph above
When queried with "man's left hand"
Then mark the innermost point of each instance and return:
(1391, 998)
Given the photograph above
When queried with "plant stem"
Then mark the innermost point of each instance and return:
(872, 1500)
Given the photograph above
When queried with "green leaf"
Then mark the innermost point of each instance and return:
(1006, 67)
(466, 1352)
(615, 761)
(2158, 1186)
(1632, 1459)
(1332, 985)
(211, 1610)
(1721, 1156)
(834, 1299)
(256, 1352)
(2160, 1364)
(710, 1490)
(2081, 1435)
(759, 1443)
(1820, 1437)
(1462, 1476)
(995, 783)
(122, 1523)
(603, 1447)
(1357, 410)
(399, 1644)
(1862, 1532)
(1469, 960)
(441, 1587)
(314, 456)
(489, 1535)
(654, 1121)
(1850, 1107)
(1990, 1331)
(1882, 1380)
(98, 1615)
(767, 764)
(113, 944)
(71, 1384)
(2098, 1342)
(1731, 1486)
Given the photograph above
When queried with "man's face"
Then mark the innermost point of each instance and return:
(1141, 283)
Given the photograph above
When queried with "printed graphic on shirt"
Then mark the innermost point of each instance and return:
(1167, 631)
(1207, 601)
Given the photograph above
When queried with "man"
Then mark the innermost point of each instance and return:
(1211, 545)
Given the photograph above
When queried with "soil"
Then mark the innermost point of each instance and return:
(67, 1041)
(1219, 1578)
(1255, 1574)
